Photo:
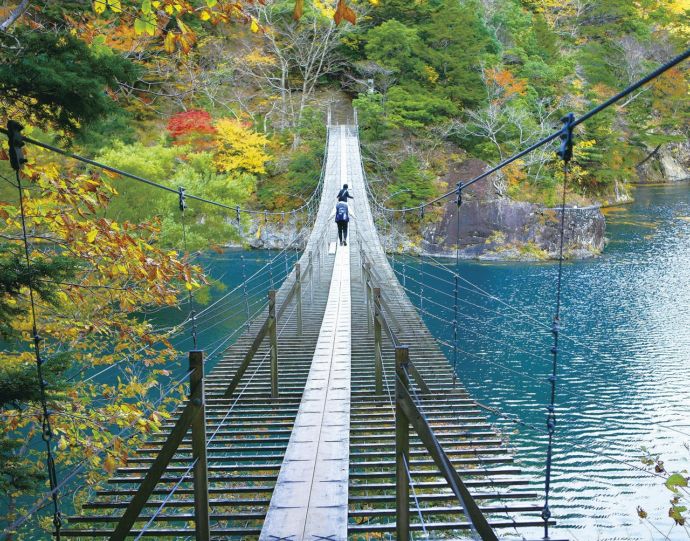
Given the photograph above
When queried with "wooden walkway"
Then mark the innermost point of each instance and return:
(318, 462)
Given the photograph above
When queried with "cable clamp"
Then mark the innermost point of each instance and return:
(546, 513)
(16, 143)
(182, 198)
(565, 151)
(458, 201)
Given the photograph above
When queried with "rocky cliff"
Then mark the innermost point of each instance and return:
(666, 163)
(495, 227)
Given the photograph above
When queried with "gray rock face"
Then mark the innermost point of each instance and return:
(666, 163)
(505, 229)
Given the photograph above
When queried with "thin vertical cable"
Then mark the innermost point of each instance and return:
(46, 429)
(244, 292)
(268, 245)
(404, 265)
(394, 244)
(455, 289)
(421, 263)
(192, 313)
(287, 248)
(565, 152)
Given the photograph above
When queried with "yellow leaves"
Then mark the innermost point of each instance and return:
(431, 74)
(91, 235)
(146, 23)
(169, 42)
(109, 464)
(256, 58)
(324, 8)
(238, 147)
(254, 26)
(99, 6)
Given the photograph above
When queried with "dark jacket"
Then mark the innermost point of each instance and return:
(344, 195)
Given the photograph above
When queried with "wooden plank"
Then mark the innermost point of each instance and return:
(310, 499)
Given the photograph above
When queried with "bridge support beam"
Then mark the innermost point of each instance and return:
(273, 337)
(402, 449)
(202, 524)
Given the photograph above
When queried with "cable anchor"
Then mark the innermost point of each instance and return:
(458, 200)
(182, 198)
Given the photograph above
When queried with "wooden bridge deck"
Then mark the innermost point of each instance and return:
(252, 439)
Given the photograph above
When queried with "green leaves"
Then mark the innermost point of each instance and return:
(145, 24)
(675, 481)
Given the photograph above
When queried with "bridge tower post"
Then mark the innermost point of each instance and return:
(402, 447)
(202, 525)
(273, 334)
(298, 293)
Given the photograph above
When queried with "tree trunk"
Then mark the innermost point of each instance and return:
(14, 15)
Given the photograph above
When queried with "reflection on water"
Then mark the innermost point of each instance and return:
(624, 362)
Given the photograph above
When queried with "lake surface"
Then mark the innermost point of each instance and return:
(624, 362)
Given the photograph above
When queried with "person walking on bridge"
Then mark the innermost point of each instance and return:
(344, 194)
(342, 218)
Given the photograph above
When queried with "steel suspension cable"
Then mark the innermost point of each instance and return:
(192, 314)
(565, 153)
(46, 428)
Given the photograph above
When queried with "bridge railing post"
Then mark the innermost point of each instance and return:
(370, 306)
(402, 448)
(202, 525)
(273, 337)
(318, 259)
(311, 279)
(378, 353)
(298, 293)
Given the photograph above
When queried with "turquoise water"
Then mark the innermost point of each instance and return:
(624, 378)
(624, 362)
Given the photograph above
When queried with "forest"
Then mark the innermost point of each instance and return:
(228, 99)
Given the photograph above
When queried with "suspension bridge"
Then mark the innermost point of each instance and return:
(334, 414)
(302, 431)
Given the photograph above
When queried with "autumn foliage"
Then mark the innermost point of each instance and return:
(238, 147)
(193, 127)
